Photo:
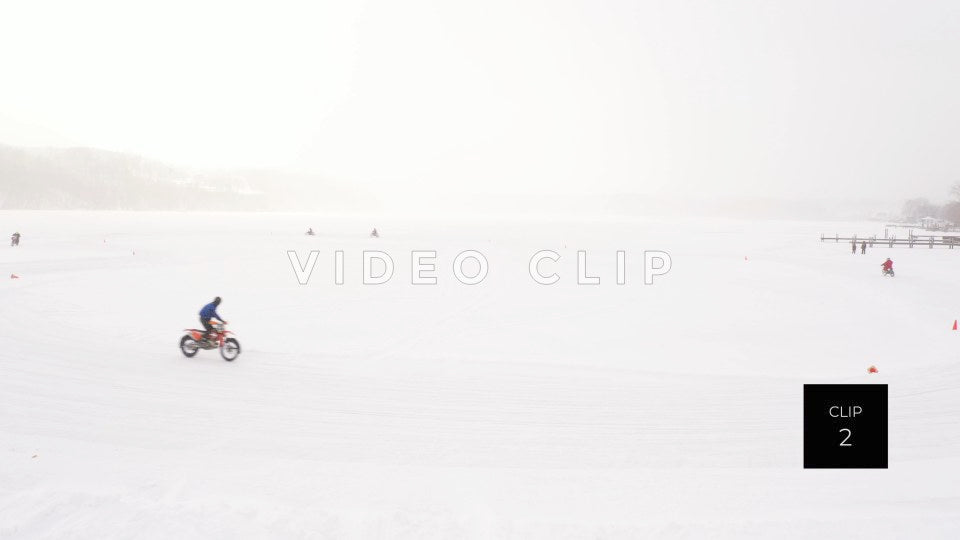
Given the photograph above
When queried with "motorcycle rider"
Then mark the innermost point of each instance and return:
(208, 312)
(887, 266)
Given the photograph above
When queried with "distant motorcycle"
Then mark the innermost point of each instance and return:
(196, 339)
(887, 272)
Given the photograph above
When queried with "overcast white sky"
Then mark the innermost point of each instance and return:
(767, 98)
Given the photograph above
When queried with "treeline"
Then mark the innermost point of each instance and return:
(86, 178)
(917, 209)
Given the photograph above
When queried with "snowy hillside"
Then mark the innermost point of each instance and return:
(506, 409)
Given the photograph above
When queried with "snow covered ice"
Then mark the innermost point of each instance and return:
(506, 409)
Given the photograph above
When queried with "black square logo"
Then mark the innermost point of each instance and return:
(844, 426)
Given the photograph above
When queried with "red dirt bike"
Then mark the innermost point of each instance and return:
(195, 339)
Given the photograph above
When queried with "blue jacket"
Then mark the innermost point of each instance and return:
(209, 311)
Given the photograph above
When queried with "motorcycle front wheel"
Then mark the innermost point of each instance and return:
(230, 349)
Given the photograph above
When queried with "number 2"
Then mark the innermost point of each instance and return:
(844, 442)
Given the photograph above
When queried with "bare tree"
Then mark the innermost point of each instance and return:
(915, 209)
(951, 212)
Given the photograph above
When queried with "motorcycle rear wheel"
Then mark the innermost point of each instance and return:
(189, 346)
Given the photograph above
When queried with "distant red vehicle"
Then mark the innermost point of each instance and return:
(887, 268)
(196, 339)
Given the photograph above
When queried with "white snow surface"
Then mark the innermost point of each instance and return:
(506, 409)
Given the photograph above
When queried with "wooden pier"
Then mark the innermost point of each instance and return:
(912, 240)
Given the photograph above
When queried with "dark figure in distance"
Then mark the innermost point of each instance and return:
(863, 248)
(15, 239)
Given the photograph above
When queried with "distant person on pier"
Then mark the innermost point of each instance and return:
(15, 239)
(853, 246)
(863, 248)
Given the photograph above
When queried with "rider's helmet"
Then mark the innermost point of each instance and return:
(216, 301)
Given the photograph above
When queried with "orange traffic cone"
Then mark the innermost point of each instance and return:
(873, 369)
